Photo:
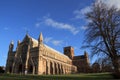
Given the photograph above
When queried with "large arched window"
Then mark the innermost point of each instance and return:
(24, 53)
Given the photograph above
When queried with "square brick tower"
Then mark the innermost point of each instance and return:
(69, 51)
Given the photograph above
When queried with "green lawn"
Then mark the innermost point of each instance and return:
(92, 76)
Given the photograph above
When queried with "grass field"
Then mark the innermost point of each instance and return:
(92, 76)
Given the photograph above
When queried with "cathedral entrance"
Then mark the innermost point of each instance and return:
(20, 68)
(30, 69)
(10, 69)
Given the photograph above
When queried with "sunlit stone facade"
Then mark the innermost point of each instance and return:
(34, 57)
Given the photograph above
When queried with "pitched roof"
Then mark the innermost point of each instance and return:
(56, 51)
(78, 57)
(35, 44)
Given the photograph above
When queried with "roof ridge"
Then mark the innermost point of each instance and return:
(56, 51)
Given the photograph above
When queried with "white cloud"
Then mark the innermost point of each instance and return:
(54, 42)
(85, 10)
(111, 3)
(59, 25)
(57, 42)
(79, 14)
(38, 24)
(76, 48)
(84, 27)
(47, 39)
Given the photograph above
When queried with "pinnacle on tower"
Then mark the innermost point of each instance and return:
(12, 42)
(27, 34)
(18, 42)
(11, 46)
(85, 53)
(40, 39)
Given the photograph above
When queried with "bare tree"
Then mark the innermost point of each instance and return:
(105, 64)
(103, 33)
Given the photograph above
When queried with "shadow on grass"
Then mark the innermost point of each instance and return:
(97, 76)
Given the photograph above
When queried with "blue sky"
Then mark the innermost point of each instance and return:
(61, 21)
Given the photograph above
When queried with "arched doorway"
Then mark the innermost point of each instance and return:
(10, 69)
(20, 68)
(30, 69)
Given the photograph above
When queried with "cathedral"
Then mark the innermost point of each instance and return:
(34, 57)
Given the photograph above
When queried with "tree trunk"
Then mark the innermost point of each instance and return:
(116, 66)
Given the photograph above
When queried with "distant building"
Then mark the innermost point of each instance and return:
(2, 69)
(81, 62)
(34, 57)
(95, 68)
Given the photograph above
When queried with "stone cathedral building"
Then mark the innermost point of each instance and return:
(34, 57)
